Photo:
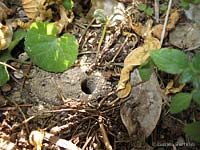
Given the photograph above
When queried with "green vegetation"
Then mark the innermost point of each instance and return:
(176, 62)
(186, 3)
(48, 51)
(145, 8)
(45, 49)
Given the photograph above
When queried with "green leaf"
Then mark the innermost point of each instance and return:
(196, 96)
(4, 75)
(185, 4)
(47, 51)
(170, 60)
(100, 15)
(193, 131)
(196, 62)
(187, 76)
(146, 70)
(142, 7)
(68, 4)
(163, 8)
(180, 102)
(149, 11)
(196, 82)
(196, 2)
(17, 37)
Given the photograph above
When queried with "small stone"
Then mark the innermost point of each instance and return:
(6, 88)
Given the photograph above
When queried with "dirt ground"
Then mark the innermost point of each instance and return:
(79, 108)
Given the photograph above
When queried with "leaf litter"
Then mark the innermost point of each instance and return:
(84, 123)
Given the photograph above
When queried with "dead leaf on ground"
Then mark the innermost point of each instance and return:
(173, 19)
(137, 57)
(171, 89)
(141, 112)
(140, 55)
(6, 34)
(4, 11)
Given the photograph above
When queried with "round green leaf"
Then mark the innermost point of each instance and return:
(193, 131)
(170, 60)
(48, 51)
(142, 7)
(149, 11)
(196, 62)
(187, 76)
(4, 76)
(180, 102)
(196, 96)
(68, 4)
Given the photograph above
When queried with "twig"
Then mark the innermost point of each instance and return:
(165, 23)
(80, 40)
(87, 142)
(103, 132)
(156, 10)
(23, 115)
(101, 39)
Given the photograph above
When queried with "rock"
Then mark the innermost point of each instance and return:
(193, 13)
(141, 112)
(6, 88)
(186, 36)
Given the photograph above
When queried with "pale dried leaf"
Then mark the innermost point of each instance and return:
(64, 19)
(171, 89)
(4, 11)
(137, 57)
(173, 19)
(6, 34)
(31, 8)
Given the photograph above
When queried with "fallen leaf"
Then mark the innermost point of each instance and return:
(137, 57)
(171, 89)
(140, 55)
(36, 138)
(4, 11)
(173, 19)
(6, 34)
(141, 111)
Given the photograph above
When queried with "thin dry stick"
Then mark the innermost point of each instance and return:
(87, 142)
(103, 132)
(23, 115)
(156, 10)
(165, 23)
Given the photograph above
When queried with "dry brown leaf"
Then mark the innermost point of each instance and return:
(31, 8)
(38, 10)
(171, 89)
(36, 139)
(137, 57)
(64, 19)
(173, 19)
(4, 11)
(140, 55)
(6, 34)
